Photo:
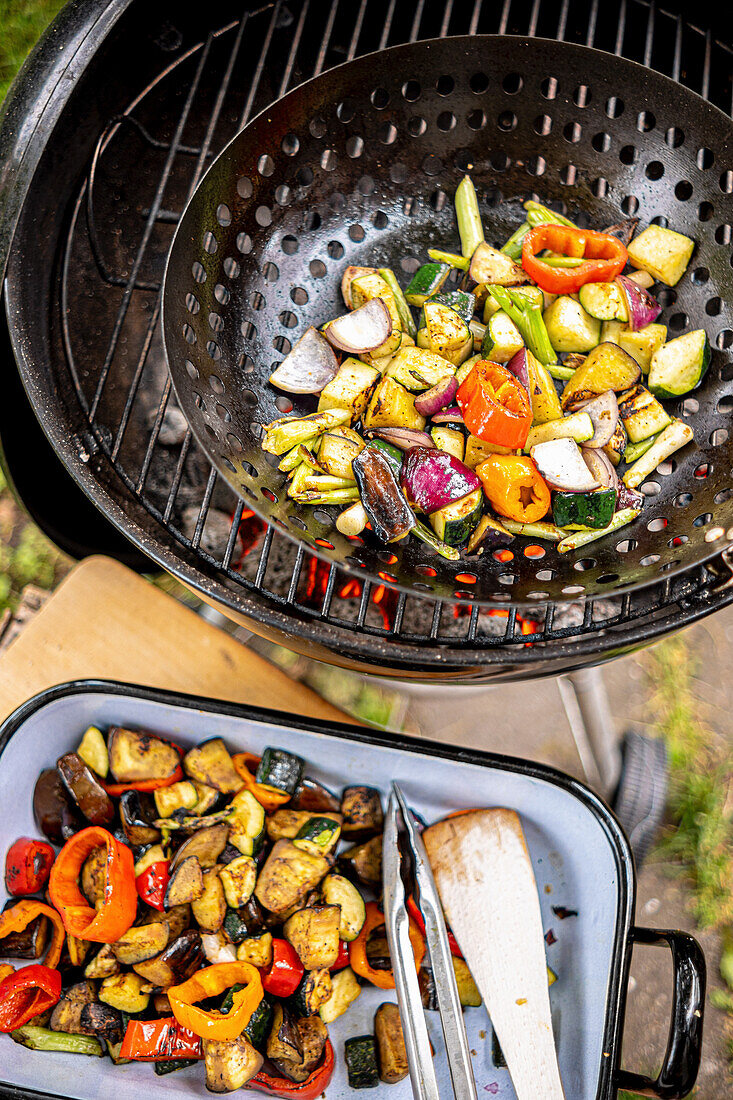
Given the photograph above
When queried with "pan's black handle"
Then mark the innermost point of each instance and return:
(682, 1059)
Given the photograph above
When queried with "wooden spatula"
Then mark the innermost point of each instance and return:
(487, 886)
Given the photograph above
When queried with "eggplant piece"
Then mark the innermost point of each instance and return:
(209, 798)
(128, 992)
(54, 812)
(256, 950)
(313, 1034)
(428, 992)
(104, 964)
(170, 801)
(314, 797)
(103, 1021)
(288, 875)
(238, 879)
(186, 883)
(210, 763)
(377, 949)
(162, 1004)
(94, 875)
(284, 1048)
(137, 813)
(314, 933)
(177, 919)
(389, 513)
(66, 1016)
(30, 943)
(362, 812)
(177, 963)
(366, 861)
(86, 791)
(391, 1051)
(210, 909)
(230, 1064)
(135, 755)
(228, 854)
(286, 824)
(140, 943)
(313, 991)
(77, 950)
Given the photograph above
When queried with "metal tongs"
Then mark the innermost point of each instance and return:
(417, 1043)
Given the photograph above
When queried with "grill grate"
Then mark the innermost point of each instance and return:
(171, 131)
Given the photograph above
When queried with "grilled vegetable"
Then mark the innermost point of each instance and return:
(288, 875)
(102, 1021)
(137, 813)
(450, 440)
(615, 449)
(467, 992)
(641, 345)
(514, 487)
(636, 450)
(601, 468)
(289, 431)
(495, 268)
(366, 860)
(502, 339)
(186, 883)
(407, 323)
(674, 436)
(338, 450)
(445, 333)
(135, 755)
(366, 288)
(162, 1069)
(361, 808)
(361, 1062)
(539, 385)
(390, 1044)
(93, 751)
(347, 279)
(125, 992)
(338, 891)
(179, 796)
(258, 1027)
(238, 879)
(432, 479)
(314, 797)
(66, 1016)
(438, 397)
(210, 908)
(318, 835)
(642, 308)
(314, 933)
(217, 948)
(426, 282)
(561, 465)
(642, 414)
(604, 301)
(93, 875)
(177, 919)
(456, 522)
(104, 964)
(314, 990)
(54, 812)
(388, 511)
(488, 535)
(230, 1064)
(350, 388)
(391, 406)
(578, 426)
(569, 327)
(30, 943)
(478, 450)
(606, 367)
(308, 367)
(462, 302)
(210, 763)
(279, 770)
(246, 817)
(141, 943)
(174, 965)
(40, 1038)
(582, 538)
(584, 509)
(604, 414)
(284, 1047)
(256, 950)
(364, 329)
(662, 252)
(345, 990)
(680, 365)
(206, 844)
(286, 823)
(352, 520)
(418, 369)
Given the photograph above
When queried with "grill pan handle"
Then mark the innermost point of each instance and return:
(682, 1058)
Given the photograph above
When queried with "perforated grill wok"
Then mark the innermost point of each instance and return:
(359, 167)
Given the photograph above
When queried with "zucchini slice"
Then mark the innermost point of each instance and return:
(246, 823)
(578, 426)
(418, 369)
(258, 1027)
(344, 991)
(636, 450)
(488, 265)
(210, 763)
(313, 991)
(584, 509)
(569, 327)
(450, 440)
(318, 835)
(662, 252)
(338, 449)
(642, 414)
(445, 333)
(679, 366)
(349, 389)
(392, 406)
(542, 392)
(460, 300)
(615, 449)
(606, 367)
(426, 282)
(179, 796)
(604, 301)
(454, 524)
(361, 1062)
(238, 879)
(280, 770)
(502, 339)
(641, 345)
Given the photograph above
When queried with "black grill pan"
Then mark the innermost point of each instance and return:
(359, 166)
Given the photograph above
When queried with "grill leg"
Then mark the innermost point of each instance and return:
(586, 704)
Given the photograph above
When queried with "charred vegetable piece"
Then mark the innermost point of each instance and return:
(28, 944)
(238, 879)
(141, 943)
(251, 919)
(319, 835)
(177, 919)
(28, 864)
(66, 1016)
(313, 1035)
(206, 844)
(246, 819)
(179, 796)
(41, 1038)
(362, 812)
(488, 534)
(210, 909)
(287, 823)
(456, 522)
(606, 367)
(389, 513)
(54, 812)
(135, 756)
(103, 1021)
(392, 406)
(314, 933)
(284, 1047)
(344, 991)
(93, 751)
(584, 509)
(390, 1044)
(361, 1062)
(256, 950)
(104, 964)
(211, 763)
(349, 390)
(314, 797)
(126, 992)
(137, 813)
(259, 1024)
(662, 252)
(162, 1069)
(489, 266)
(288, 875)
(313, 991)
(338, 891)
(186, 883)
(366, 860)
(280, 770)
(642, 414)
(230, 1064)
(177, 963)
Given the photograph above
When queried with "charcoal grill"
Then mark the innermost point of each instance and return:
(155, 95)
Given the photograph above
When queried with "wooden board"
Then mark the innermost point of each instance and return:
(106, 622)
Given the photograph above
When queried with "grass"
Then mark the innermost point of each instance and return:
(22, 22)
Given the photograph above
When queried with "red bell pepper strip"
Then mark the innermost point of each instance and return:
(119, 907)
(342, 959)
(26, 993)
(603, 257)
(27, 866)
(284, 974)
(310, 1089)
(495, 405)
(20, 915)
(159, 1041)
(152, 884)
(413, 910)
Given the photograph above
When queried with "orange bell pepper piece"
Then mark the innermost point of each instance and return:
(119, 908)
(20, 915)
(383, 979)
(270, 800)
(209, 982)
(495, 405)
(514, 487)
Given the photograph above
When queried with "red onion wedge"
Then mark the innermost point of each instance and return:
(437, 397)
(347, 279)
(431, 479)
(453, 415)
(404, 438)
(561, 464)
(603, 411)
(363, 330)
(308, 367)
(643, 307)
(518, 365)
(629, 498)
(601, 468)
(623, 231)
